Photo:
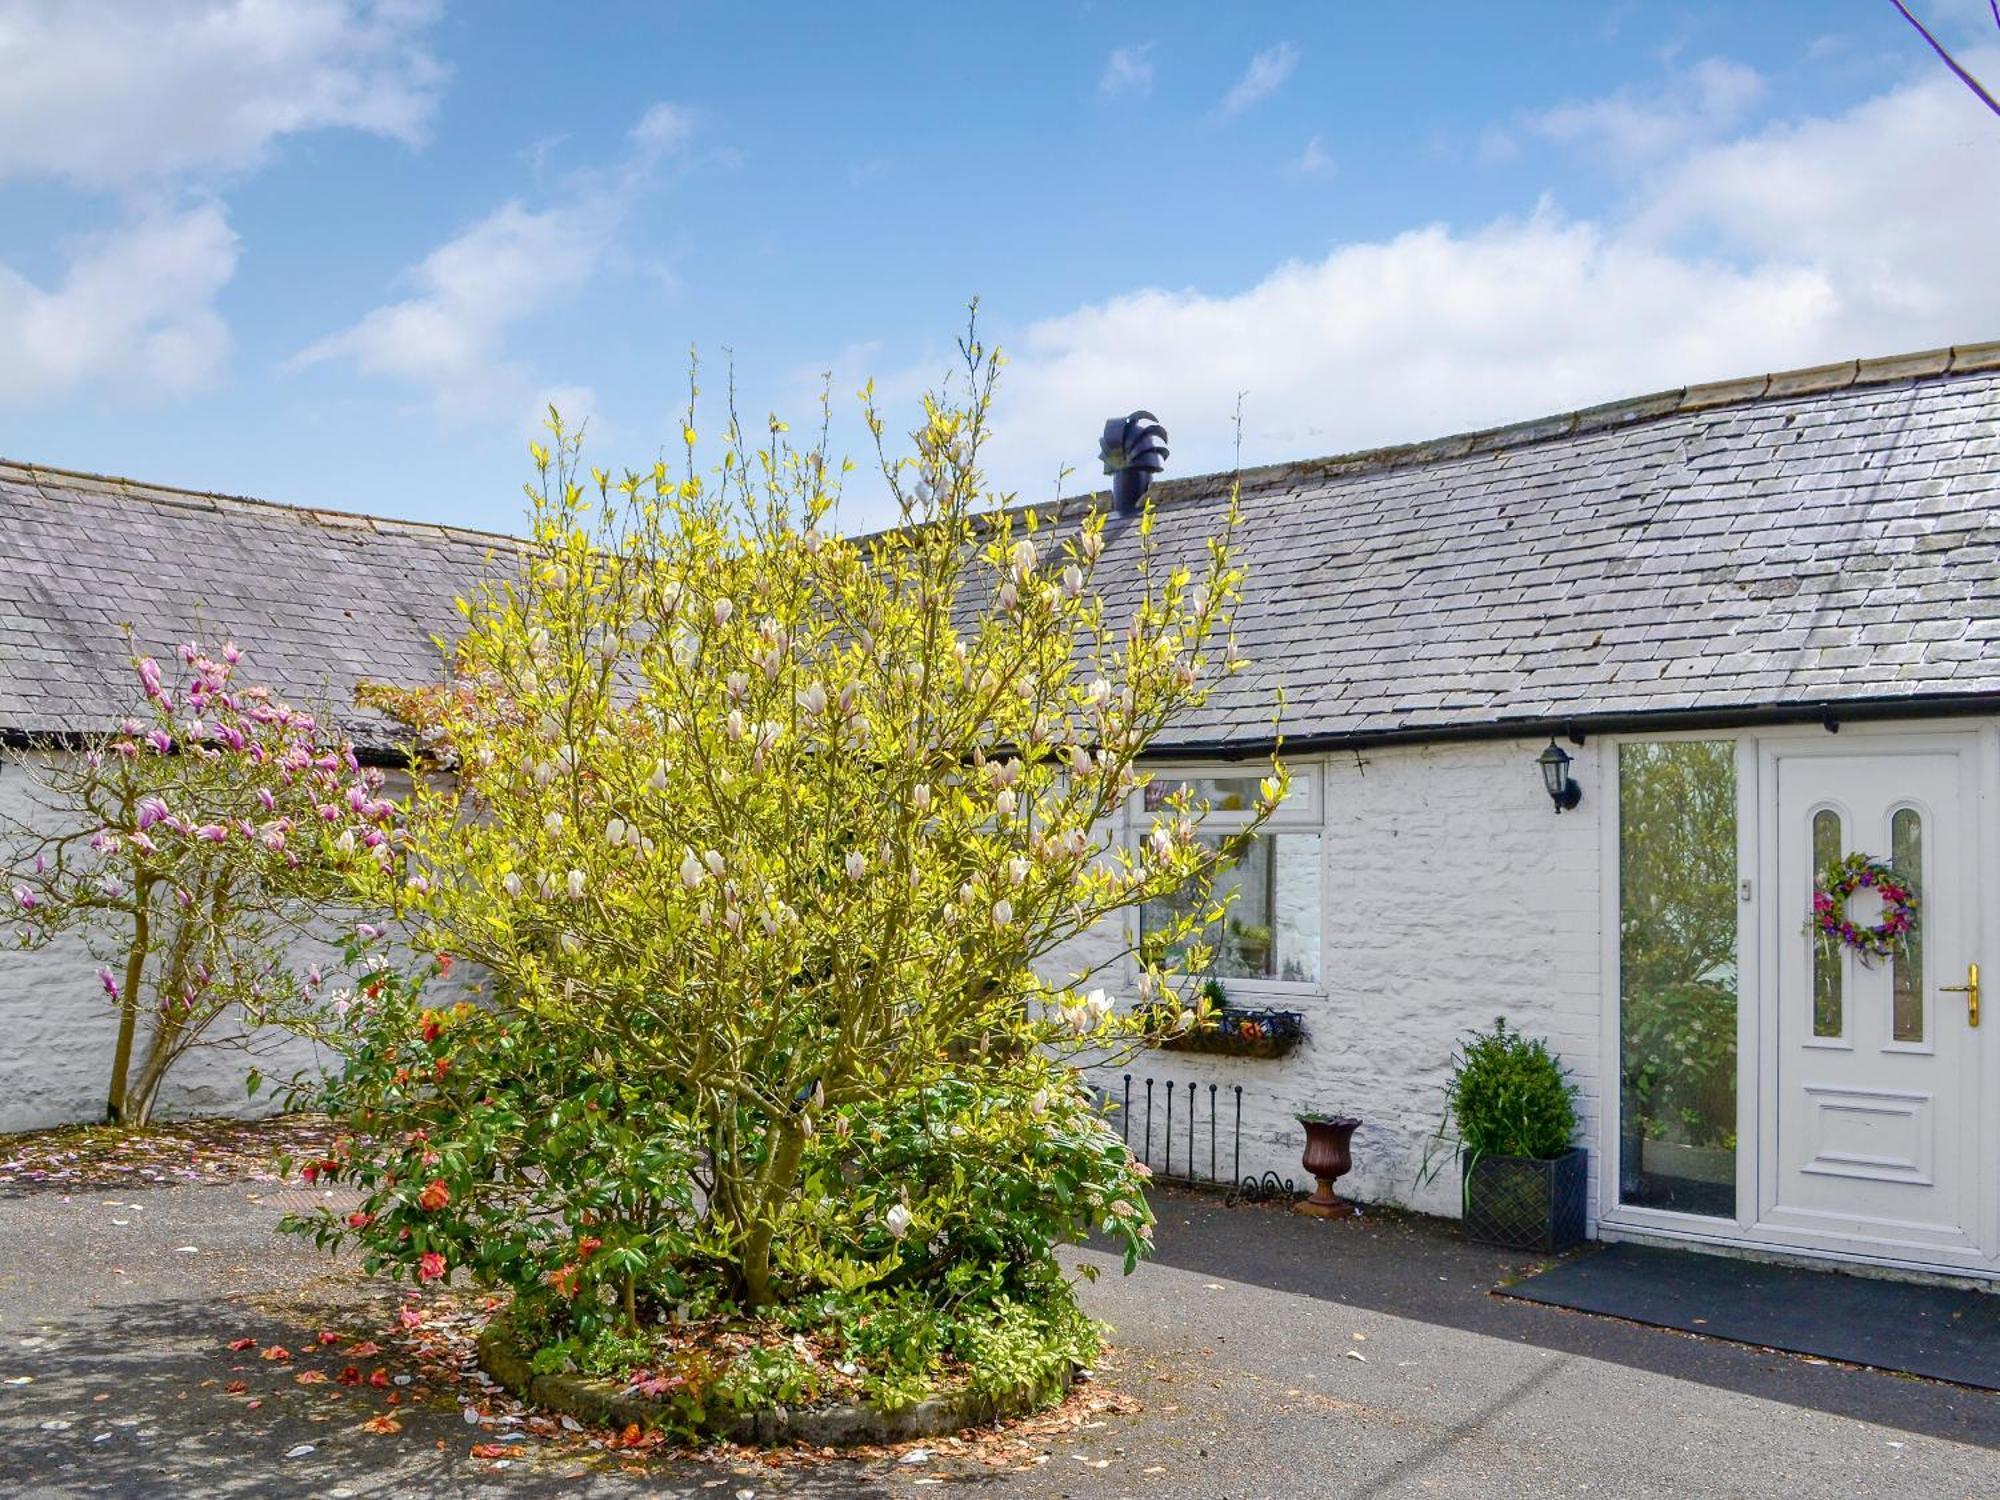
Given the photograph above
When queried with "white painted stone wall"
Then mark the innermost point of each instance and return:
(57, 1027)
(1452, 893)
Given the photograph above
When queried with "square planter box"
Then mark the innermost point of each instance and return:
(1524, 1204)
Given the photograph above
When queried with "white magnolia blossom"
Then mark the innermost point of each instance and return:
(812, 700)
(1022, 558)
(575, 885)
(715, 862)
(511, 884)
(722, 609)
(553, 823)
(1072, 581)
(1003, 912)
(658, 780)
(692, 873)
(1017, 871)
(897, 1221)
(734, 725)
(614, 832)
(920, 797)
(856, 865)
(1006, 802)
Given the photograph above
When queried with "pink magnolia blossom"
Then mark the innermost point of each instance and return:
(110, 982)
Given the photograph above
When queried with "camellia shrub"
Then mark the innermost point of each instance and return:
(764, 836)
(196, 851)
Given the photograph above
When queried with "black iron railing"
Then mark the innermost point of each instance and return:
(1147, 1120)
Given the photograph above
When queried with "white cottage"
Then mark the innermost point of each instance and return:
(1758, 618)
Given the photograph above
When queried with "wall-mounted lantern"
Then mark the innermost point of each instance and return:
(1562, 789)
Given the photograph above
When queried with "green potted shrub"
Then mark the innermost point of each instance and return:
(1513, 1109)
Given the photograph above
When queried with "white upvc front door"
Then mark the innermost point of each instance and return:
(1874, 1071)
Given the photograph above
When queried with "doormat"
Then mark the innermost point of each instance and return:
(1942, 1333)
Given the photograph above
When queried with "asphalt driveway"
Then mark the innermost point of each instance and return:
(1261, 1356)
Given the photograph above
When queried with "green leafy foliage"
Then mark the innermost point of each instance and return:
(763, 839)
(1508, 1096)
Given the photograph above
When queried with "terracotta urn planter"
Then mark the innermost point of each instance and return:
(1327, 1158)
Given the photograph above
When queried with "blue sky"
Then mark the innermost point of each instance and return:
(335, 252)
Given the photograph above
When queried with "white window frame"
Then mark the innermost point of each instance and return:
(1303, 812)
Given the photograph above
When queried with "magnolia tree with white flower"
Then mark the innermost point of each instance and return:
(766, 836)
(194, 850)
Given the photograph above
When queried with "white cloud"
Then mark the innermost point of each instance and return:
(1129, 70)
(662, 130)
(133, 307)
(1314, 161)
(1819, 240)
(470, 290)
(113, 98)
(1631, 128)
(1267, 73)
(154, 103)
(450, 336)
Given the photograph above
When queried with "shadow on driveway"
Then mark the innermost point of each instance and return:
(1418, 1268)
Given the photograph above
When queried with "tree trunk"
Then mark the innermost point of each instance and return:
(128, 1002)
(777, 1186)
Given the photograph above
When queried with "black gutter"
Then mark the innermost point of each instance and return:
(384, 757)
(1829, 713)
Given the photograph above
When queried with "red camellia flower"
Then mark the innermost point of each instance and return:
(434, 1196)
(360, 1219)
(430, 1266)
(587, 1245)
(444, 963)
(432, 1030)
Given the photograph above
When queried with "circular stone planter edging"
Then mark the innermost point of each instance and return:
(608, 1403)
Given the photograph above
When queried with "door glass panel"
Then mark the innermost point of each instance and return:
(1828, 962)
(1677, 962)
(1906, 853)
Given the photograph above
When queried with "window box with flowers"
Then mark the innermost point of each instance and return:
(1231, 1030)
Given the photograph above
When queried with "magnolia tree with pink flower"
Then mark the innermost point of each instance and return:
(196, 850)
(769, 839)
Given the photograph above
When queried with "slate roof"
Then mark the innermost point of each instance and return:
(1753, 548)
(322, 599)
(1811, 542)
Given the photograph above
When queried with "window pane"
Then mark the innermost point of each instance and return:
(1829, 960)
(1677, 958)
(1906, 853)
(1228, 794)
(1271, 929)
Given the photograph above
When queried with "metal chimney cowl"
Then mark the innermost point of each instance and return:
(1134, 449)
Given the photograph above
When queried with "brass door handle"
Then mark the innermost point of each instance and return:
(1970, 989)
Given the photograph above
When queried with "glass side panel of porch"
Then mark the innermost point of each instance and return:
(1678, 914)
